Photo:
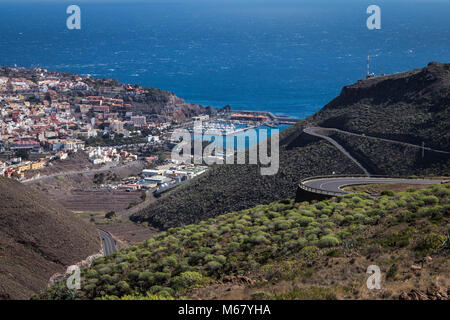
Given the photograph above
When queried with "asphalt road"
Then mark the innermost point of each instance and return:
(335, 184)
(322, 133)
(109, 244)
(315, 131)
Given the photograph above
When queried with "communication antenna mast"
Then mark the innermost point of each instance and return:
(369, 75)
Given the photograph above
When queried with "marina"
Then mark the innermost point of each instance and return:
(219, 128)
(235, 122)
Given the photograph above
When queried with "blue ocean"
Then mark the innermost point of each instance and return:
(287, 57)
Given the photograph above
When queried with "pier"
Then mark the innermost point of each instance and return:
(275, 120)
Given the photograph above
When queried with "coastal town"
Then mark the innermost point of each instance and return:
(48, 117)
(103, 149)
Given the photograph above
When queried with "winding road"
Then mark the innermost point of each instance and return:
(333, 186)
(321, 133)
(109, 244)
(314, 131)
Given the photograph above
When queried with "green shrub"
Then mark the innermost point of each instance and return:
(105, 270)
(446, 210)
(213, 265)
(441, 192)
(259, 238)
(259, 296)
(398, 239)
(314, 231)
(328, 241)
(328, 224)
(403, 214)
(161, 277)
(337, 218)
(155, 289)
(165, 293)
(430, 243)
(430, 200)
(186, 280)
(123, 286)
(305, 220)
(111, 289)
(359, 217)
(308, 213)
(334, 253)
(348, 219)
(123, 266)
(169, 261)
(312, 237)
(342, 234)
(220, 258)
(388, 193)
(92, 273)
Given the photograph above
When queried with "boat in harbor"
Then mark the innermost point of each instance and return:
(218, 128)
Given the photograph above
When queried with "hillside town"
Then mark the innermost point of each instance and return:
(47, 116)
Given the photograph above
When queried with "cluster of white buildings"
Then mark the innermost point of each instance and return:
(103, 155)
(168, 176)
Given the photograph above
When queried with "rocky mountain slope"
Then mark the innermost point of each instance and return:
(37, 239)
(411, 107)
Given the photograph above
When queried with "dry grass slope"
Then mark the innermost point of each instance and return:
(37, 239)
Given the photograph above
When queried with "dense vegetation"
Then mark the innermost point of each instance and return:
(409, 107)
(259, 242)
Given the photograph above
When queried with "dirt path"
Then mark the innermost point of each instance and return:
(315, 131)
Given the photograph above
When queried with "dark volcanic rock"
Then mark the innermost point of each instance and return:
(413, 107)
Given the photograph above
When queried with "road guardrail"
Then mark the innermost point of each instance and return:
(332, 193)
